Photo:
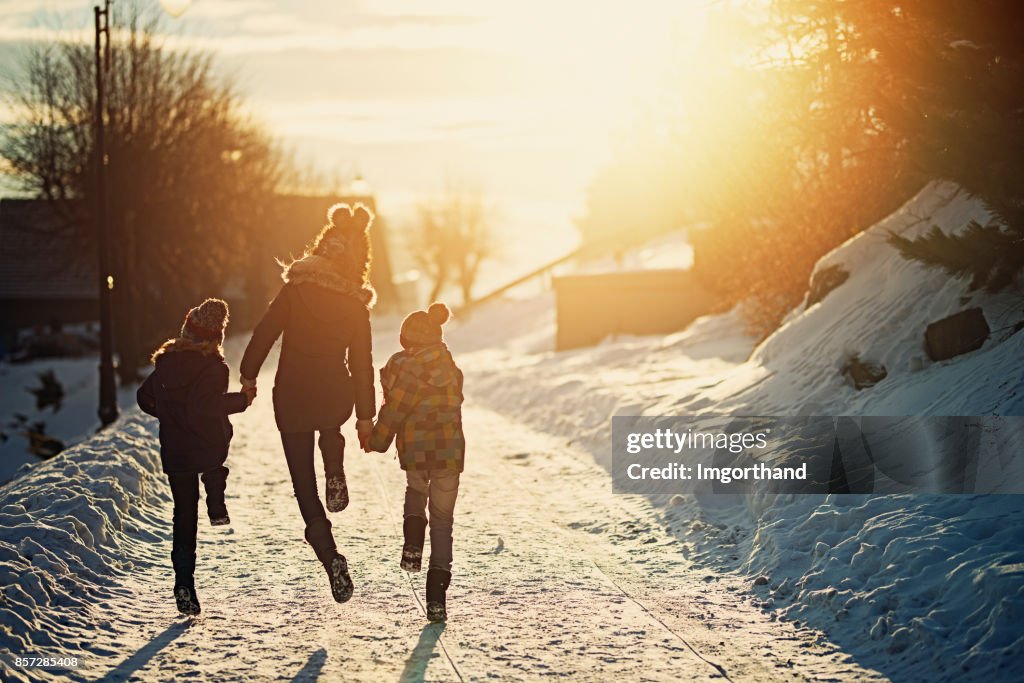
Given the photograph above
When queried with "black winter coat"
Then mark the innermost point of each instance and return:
(326, 362)
(188, 393)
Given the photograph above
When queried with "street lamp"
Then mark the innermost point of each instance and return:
(108, 384)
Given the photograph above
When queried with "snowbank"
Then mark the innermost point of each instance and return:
(72, 422)
(928, 587)
(880, 314)
(64, 529)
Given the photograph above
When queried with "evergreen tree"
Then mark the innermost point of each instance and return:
(956, 96)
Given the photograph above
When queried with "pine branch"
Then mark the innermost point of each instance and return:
(991, 255)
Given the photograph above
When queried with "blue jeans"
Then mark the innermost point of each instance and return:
(434, 491)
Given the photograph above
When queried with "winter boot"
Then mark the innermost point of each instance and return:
(215, 482)
(337, 492)
(341, 582)
(219, 515)
(188, 601)
(415, 529)
(437, 586)
(318, 534)
(332, 448)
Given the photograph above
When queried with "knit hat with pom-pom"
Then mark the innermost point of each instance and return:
(345, 243)
(206, 322)
(423, 328)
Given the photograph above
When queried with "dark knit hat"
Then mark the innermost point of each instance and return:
(423, 328)
(206, 322)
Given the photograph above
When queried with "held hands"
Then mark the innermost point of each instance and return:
(363, 429)
(249, 389)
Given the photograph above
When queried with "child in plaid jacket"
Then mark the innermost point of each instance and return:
(422, 411)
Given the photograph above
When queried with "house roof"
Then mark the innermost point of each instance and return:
(39, 259)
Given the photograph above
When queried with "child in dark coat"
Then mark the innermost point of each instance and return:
(188, 393)
(423, 411)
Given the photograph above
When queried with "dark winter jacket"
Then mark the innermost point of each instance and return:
(188, 393)
(423, 409)
(326, 361)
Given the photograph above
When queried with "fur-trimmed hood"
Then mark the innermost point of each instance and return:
(319, 270)
(206, 348)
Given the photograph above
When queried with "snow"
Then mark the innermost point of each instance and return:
(918, 586)
(66, 529)
(74, 421)
(880, 313)
(555, 575)
(583, 587)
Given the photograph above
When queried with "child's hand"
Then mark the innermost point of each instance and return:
(363, 429)
(250, 393)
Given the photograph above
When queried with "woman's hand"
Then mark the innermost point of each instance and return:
(249, 389)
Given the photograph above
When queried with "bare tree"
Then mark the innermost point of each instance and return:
(453, 238)
(189, 175)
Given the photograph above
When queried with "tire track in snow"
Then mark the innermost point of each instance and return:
(652, 570)
(571, 540)
(717, 667)
(544, 528)
(598, 566)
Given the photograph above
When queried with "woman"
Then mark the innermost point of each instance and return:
(325, 367)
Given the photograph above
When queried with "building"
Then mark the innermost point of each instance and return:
(48, 269)
(591, 307)
(43, 281)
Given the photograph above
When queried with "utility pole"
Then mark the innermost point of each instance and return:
(108, 384)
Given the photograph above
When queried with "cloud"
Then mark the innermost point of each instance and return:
(303, 73)
(465, 126)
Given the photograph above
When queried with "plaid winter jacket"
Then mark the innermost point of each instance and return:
(423, 409)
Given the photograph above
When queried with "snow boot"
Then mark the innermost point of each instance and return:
(219, 515)
(332, 448)
(318, 534)
(415, 529)
(341, 582)
(215, 482)
(437, 587)
(188, 601)
(337, 492)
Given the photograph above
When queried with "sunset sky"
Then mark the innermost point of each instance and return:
(522, 100)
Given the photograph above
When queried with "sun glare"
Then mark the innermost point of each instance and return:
(540, 88)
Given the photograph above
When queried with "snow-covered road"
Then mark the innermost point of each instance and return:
(554, 576)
